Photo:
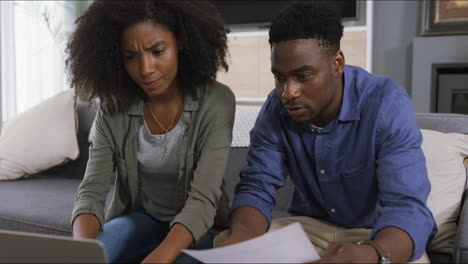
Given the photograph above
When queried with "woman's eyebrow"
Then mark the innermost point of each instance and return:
(155, 45)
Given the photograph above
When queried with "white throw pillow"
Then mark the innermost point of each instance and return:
(40, 138)
(444, 160)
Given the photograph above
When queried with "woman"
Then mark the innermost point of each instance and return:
(163, 129)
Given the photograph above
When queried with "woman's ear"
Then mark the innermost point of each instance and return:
(181, 42)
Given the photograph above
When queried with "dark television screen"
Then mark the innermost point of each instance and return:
(253, 11)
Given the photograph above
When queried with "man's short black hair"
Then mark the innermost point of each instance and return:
(309, 20)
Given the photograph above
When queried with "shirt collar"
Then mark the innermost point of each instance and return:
(349, 104)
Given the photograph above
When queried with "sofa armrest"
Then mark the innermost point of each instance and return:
(461, 240)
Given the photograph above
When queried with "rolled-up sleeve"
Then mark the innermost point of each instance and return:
(402, 175)
(92, 192)
(266, 169)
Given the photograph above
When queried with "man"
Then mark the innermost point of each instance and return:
(348, 140)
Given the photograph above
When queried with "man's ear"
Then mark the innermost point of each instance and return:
(338, 63)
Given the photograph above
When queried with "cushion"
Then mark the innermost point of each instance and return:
(40, 138)
(244, 122)
(444, 154)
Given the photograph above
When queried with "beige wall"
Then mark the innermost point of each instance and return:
(249, 71)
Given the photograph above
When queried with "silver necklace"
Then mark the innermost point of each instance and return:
(166, 130)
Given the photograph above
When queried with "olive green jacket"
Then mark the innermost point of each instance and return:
(200, 195)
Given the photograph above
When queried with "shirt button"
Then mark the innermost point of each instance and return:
(332, 210)
(185, 133)
(322, 172)
(186, 115)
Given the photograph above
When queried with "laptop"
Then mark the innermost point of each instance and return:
(22, 247)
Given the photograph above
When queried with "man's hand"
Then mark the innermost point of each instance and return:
(396, 242)
(349, 253)
(246, 223)
(239, 237)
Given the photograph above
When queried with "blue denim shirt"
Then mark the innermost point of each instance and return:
(364, 169)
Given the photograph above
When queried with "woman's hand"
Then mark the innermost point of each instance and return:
(167, 252)
(86, 226)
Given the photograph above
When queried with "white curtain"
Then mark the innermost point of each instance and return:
(33, 51)
(7, 60)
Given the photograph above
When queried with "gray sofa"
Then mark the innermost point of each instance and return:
(43, 203)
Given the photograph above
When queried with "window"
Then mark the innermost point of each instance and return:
(249, 73)
(33, 40)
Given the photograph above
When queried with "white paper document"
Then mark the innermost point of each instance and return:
(286, 245)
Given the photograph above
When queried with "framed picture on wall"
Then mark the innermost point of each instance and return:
(445, 17)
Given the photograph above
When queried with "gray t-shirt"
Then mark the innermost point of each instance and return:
(158, 169)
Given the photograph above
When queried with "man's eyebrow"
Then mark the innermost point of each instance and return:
(299, 69)
(302, 68)
(155, 45)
